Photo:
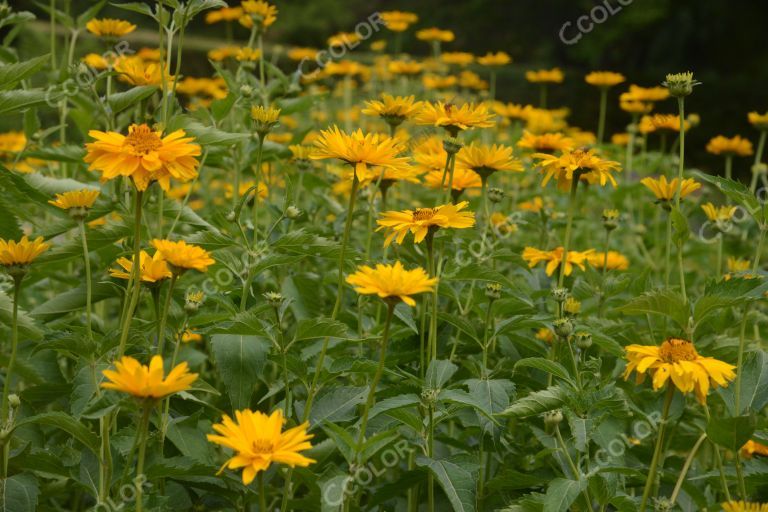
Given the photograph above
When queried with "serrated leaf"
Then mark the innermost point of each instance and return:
(313, 328)
(546, 365)
(659, 302)
(457, 483)
(561, 494)
(337, 404)
(66, 423)
(120, 101)
(19, 493)
(11, 74)
(537, 402)
(439, 372)
(239, 361)
(731, 433)
(680, 230)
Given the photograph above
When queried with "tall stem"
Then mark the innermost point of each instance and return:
(262, 492)
(568, 227)
(88, 285)
(729, 167)
(719, 461)
(144, 433)
(681, 163)
(603, 109)
(135, 280)
(576, 473)
(686, 467)
(758, 159)
(657, 450)
(164, 315)
(12, 360)
(259, 155)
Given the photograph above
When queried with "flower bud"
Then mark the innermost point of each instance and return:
(231, 216)
(192, 301)
(583, 340)
(452, 145)
(13, 400)
(292, 212)
(680, 85)
(246, 91)
(495, 195)
(553, 418)
(560, 294)
(274, 299)
(610, 219)
(572, 307)
(493, 291)
(563, 327)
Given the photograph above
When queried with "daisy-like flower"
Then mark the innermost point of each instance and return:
(585, 165)
(152, 269)
(437, 82)
(404, 67)
(258, 440)
(678, 360)
(11, 143)
(137, 71)
(494, 59)
(144, 155)
(719, 213)
(302, 53)
(657, 122)
(604, 78)
(736, 146)
(344, 39)
(393, 109)
(463, 179)
(246, 54)
(191, 337)
(458, 58)
(223, 14)
(454, 118)
(141, 381)
(398, 21)
(182, 256)
(259, 12)
(758, 120)
(634, 106)
(645, 94)
(620, 139)
(435, 35)
(545, 76)
(614, 261)
(752, 448)
(423, 221)
(76, 202)
(554, 257)
(545, 142)
(223, 52)
(665, 190)
(21, 253)
(108, 27)
(486, 160)
(534, 205)
(392, 282)
(744, 506)
(265, 118)
(359, 150)
(680, 84)
(539, 120)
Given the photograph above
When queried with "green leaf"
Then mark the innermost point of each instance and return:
(240, 360)
(195, 7)
(120, 101)
(13, 101)
(337, 405)
(561, 494)
(138, 7)
(313, 328)
(439, 372)
(461, 324)
(537, 402)
(457, 483)
(27, 327)
(89, 14)
(731, 433)
(69, 153)
(206, 135)
(11, 74)
(680, 230)
(545, 365)
(72, 300)
(738, 193)
(19, 493)
(659, 302)
(66, 423)
(754, 384)
(393, 403)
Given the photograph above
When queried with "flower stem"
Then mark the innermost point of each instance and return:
(603, 108)
(143, 432)
(12, 360)
(686, 467)
(681, 163)
(259, 154)
(88, 285)
(657, 450)
(729, 167)
(135, 280)
(164, 315)
(262, 492)
(719, 461)
(568, 227)
(758, 158)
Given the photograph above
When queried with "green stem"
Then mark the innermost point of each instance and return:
(432, 270)
(262, 492)
(686, 467)
(681, 163)
(576, 473)
(259, 155)
(729, 167)
(135, 280)
(649, 482)
(603, 109)
(144, 433)
(88, 285)
(543, 96)
(53, 34)
(164, 315)
(681, 271)
(486, 326)
(759, 248)
(668, 252)
(9, 370)
(758, 159)
(719, 461)
(568, 227)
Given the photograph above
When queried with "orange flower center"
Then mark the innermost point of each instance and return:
(674, 350)
(422, 214)
(143, 139)
(262, 446)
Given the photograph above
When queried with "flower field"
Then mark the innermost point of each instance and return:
(250, 276)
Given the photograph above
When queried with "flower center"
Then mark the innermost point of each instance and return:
(261, 446)
(422, 214)
(674, 350)
(143, 139)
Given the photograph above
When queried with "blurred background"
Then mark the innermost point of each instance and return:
(723, 43)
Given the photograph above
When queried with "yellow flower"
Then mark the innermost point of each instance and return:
(486, 160)
(512, 110)
(151, 270)
(584, 164)
(615, 261)
(259, 11)
(545, 334)
(12, 142)
(393, 109)
(344, 39)
(107, 27)
(463, 179)
(223, 52)
(759, 121)
(265, 118)
(535, 205)
(738, 265)
(144, 155)
(545, 142)
(435, 34)
(190, 337)
(422, 221)
(76, 199)
(204, 87)
(258, 440)
(718, 213)
(545, 76)
(23, 252)
(438, 82)
(454, 118)
(751, 448)
(678, 360)
(299, 54)
(635, 107)
(379, 46)
(604, 78)
(471, 80)
(229, 189)
(96, 61)
(248, 54)
(359, 150)
(743, 506)
(398, 21)
(183, 256)
(737, 145)
(669, 122)
(554, 257)
(572, 306)
(137, 71)
(502, 224)
(494, 59)
(458, 58)
(391, 282)
(620, 139)
(404, 67)
(665, 190)
(130, 376)
(539, 120)
(645, 94)
(224, 14)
